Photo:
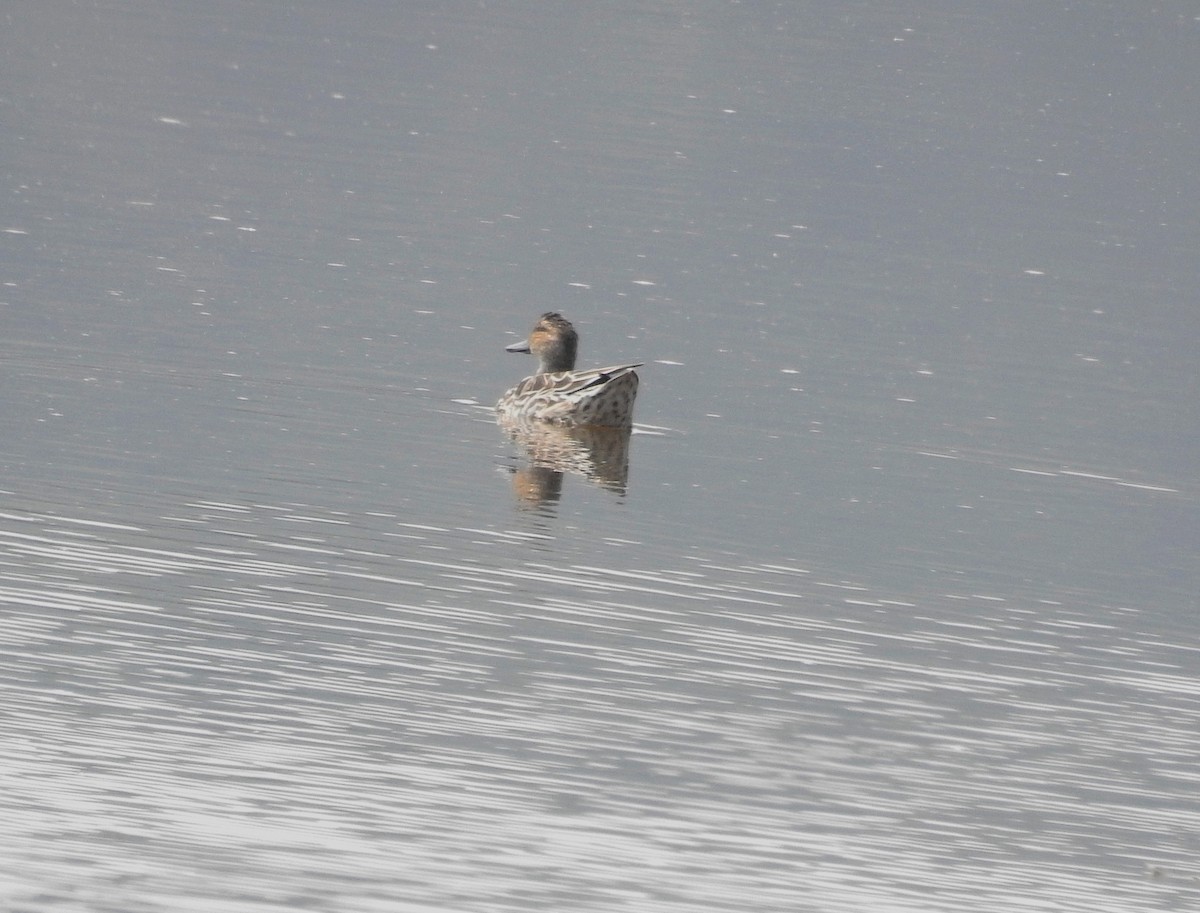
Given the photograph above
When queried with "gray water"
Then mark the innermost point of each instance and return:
(895, 608)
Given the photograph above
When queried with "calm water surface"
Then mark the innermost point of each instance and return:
(894, 607)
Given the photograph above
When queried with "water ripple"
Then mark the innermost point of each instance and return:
(374, 711)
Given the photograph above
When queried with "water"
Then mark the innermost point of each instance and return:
(895, 608)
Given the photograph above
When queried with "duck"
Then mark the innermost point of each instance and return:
(560, 394)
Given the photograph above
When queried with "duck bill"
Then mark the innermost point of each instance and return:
(520, 348)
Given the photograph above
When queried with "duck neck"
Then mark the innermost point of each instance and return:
(560, 358)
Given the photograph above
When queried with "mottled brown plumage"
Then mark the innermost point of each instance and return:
(559, 393)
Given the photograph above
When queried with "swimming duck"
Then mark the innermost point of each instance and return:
(559, 393)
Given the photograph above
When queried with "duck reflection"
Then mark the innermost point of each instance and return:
(597, 453)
